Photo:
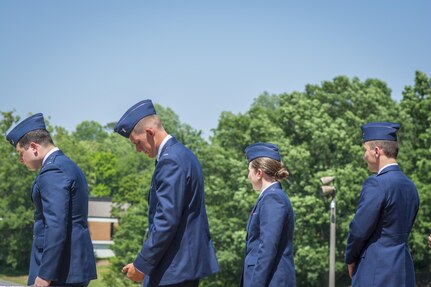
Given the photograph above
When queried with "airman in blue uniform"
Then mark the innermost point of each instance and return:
(62, 253)
(377, 251)
(269, 242)
(178, 250)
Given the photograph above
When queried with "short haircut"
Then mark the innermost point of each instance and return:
(390, 148)
(41, 137)
(148, 121)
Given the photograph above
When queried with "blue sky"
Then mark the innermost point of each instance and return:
(91, 60)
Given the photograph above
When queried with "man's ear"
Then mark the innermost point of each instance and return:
(33, 146)
(149, 132)
(378, 151)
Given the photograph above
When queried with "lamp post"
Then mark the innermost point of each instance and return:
(329, 191)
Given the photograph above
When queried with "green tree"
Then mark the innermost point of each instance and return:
(90, 131)
(103, 177)
(416, 157)
(318, 133)
(16, 211)
(127, 244)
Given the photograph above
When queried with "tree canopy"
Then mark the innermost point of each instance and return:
(318, 133)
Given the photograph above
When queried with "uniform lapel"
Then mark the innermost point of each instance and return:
(252, 213)
(153, 186)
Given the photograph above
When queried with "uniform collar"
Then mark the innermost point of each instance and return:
(391, 164)
(49, 153)
(164, 141)
(268, 186)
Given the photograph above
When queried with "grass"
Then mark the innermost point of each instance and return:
(21, 279)
(102, 268)
(15, 277)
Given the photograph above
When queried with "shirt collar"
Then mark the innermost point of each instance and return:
(168, 137)
(267, 188)
(49, 153)
(380, 170)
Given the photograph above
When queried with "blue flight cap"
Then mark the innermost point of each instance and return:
(262, 150)
(133, 115)
(34, 122)
(380, 131)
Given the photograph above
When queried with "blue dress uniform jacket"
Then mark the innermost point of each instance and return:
(377, 240)
(269, 242)
(62, 250)
(179, 246)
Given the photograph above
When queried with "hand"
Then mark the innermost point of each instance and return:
(133, 273)
(39, 282)
(429, 240)
(351, 268)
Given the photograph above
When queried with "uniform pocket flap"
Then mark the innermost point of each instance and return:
(39, 242)
(250, 260)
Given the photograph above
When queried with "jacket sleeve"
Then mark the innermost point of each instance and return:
(170, 193)
(365, 220)
(272, 217)
(54, 188)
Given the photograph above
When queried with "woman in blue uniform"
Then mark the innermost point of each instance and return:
(269, 242)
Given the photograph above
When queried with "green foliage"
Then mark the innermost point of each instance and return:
(416, 113)
(229, 202)
(103, 179)
(318, 133)
(128, 242)
(16, 217)
(90, 131)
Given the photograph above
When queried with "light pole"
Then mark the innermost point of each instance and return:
(330, 191)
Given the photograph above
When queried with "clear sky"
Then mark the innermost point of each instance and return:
(92, 60)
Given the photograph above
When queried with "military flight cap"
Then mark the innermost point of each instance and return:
(261, 149)
(133, 115)
(380, 131)
(34, 122)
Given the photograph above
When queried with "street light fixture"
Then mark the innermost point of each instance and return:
(330, 190)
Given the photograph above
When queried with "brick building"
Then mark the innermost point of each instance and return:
(101, 225)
